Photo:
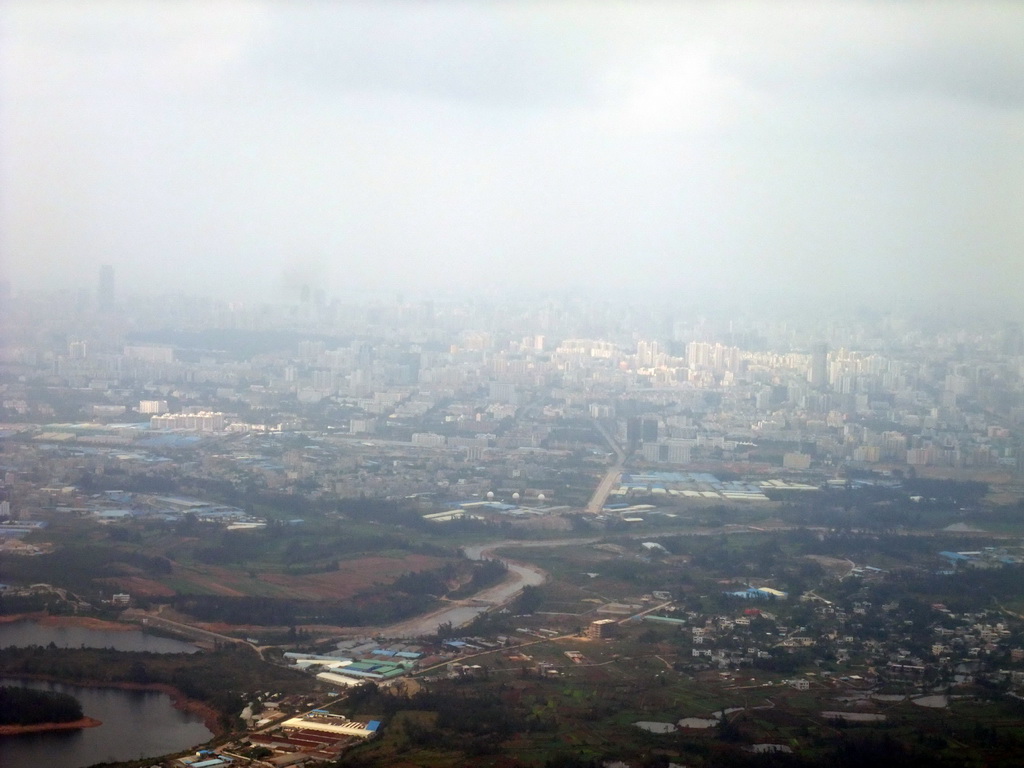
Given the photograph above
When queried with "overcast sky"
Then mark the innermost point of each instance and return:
(701, 149)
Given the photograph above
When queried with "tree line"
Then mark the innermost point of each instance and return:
(26, 706)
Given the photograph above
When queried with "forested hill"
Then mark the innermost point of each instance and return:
(24, 706)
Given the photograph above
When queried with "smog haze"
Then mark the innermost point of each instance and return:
(692, 150)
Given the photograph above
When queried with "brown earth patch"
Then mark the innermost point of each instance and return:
(232, 630)
(352, 576)
(73, 725)
(834, 564)
(84, 622)
(218, 581)
(220, 589)
(10, 619)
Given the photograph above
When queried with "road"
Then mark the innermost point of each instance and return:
(611, 477)
(153, 620)
(604, 489)
(640, 615)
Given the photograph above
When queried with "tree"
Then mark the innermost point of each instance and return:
(444, 631)
(137, 673)
(529, 600)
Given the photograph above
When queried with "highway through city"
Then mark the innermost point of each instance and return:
(611, 477)
(604, 489)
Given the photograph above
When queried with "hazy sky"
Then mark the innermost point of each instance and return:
(693, 149)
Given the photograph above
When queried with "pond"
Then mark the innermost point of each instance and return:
(656, 727)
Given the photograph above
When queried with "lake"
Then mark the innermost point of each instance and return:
(136, 724)
(22, 634)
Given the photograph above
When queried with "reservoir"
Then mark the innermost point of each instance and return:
(136, 724)
(23, 634)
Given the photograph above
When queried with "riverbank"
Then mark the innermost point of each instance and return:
(14, 730)
(82, 622)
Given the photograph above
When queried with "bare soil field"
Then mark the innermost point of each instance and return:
(352, 577)
(837, 566)
(85, 622)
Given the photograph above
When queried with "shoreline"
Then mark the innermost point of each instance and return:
(84, 622)
(209, 715)
(181, 702)
(15, 730)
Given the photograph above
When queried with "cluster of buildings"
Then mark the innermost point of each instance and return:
(309, 738)
(476, 383)
(874, 641)
(514, 413)
(112, 506)
(199, 421)
(986, 557)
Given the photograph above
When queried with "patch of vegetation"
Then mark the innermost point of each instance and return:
(75, 565)
(25, 706)
(219, 678)
(13, 605)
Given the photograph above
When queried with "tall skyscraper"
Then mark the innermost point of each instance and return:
(1012, 339)
(817, 374)
(105, 291)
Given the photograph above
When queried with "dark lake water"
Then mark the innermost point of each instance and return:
(26, 633)
(136, 724)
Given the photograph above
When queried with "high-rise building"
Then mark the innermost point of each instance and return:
(649, 432)
(601, 628)
(1012, 339)
(203, 421)
(817, 373)
(105, 291)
